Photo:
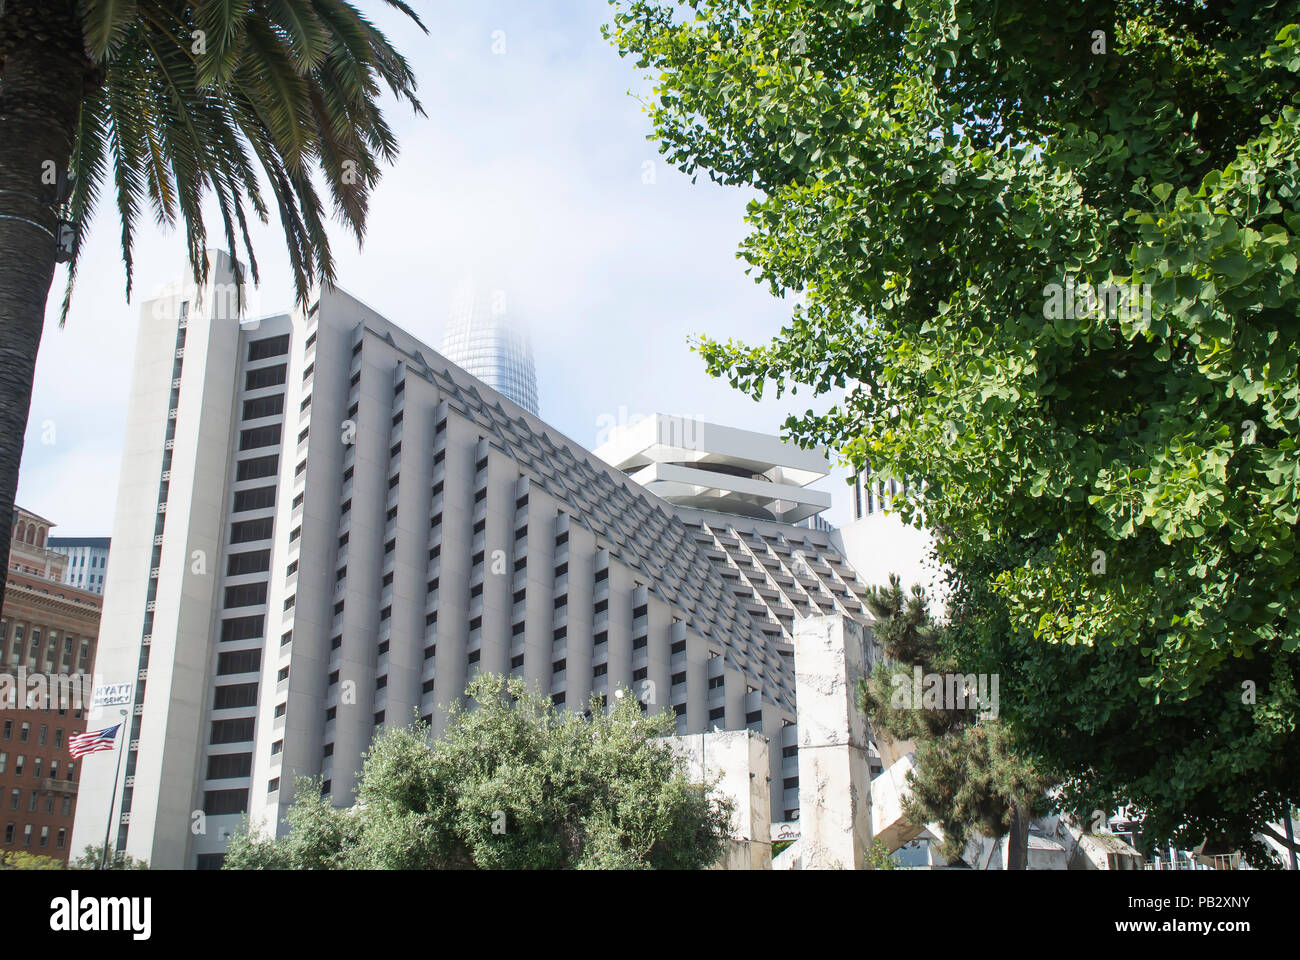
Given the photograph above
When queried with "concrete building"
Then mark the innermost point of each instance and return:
(87, 559)
(48, 632)
(487, 341)
(878, 542)
(745, 499)
(739, 762)
(29, 550)
(323, 527)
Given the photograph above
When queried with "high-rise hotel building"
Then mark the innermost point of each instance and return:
(324, 527)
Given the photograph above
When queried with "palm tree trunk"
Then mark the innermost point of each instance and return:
(43, 72)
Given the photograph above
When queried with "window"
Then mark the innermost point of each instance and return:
(268, 347)
(260, 407)
(258, 498)
(255, 437)
(235, 695)
(256, 561)
(237, 661)
(221, 802)
(4, 762)
(247, 530)
(238, 730)
(227, 766)
(241, 628)
(245, 595)
(257, 467)
(264, 377)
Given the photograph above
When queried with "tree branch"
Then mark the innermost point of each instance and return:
(1268, 831)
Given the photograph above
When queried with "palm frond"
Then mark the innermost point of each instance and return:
(105, 23)
(228, 97)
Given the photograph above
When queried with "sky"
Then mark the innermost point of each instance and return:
(533, 171)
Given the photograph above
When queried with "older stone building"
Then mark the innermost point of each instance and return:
(48, 633)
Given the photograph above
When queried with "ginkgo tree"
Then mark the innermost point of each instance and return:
(161, 104)
(1047, 258)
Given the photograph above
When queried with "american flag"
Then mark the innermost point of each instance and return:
(92, 741)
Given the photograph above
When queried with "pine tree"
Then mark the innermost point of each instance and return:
(967, 775)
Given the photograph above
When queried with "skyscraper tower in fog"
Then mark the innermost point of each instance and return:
(483, 339)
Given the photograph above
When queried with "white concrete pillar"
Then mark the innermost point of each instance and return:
(834, 772)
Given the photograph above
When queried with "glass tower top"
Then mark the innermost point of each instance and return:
(484, 340)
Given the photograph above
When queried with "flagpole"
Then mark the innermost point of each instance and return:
(112, 797)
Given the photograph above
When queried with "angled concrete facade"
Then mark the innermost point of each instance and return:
(325, 527)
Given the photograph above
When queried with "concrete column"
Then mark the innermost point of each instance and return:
(834, 772)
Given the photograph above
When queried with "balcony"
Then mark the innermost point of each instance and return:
(50, 785)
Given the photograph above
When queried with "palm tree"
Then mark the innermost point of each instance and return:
(164, 101)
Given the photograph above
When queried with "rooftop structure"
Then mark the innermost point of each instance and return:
(705, 466)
